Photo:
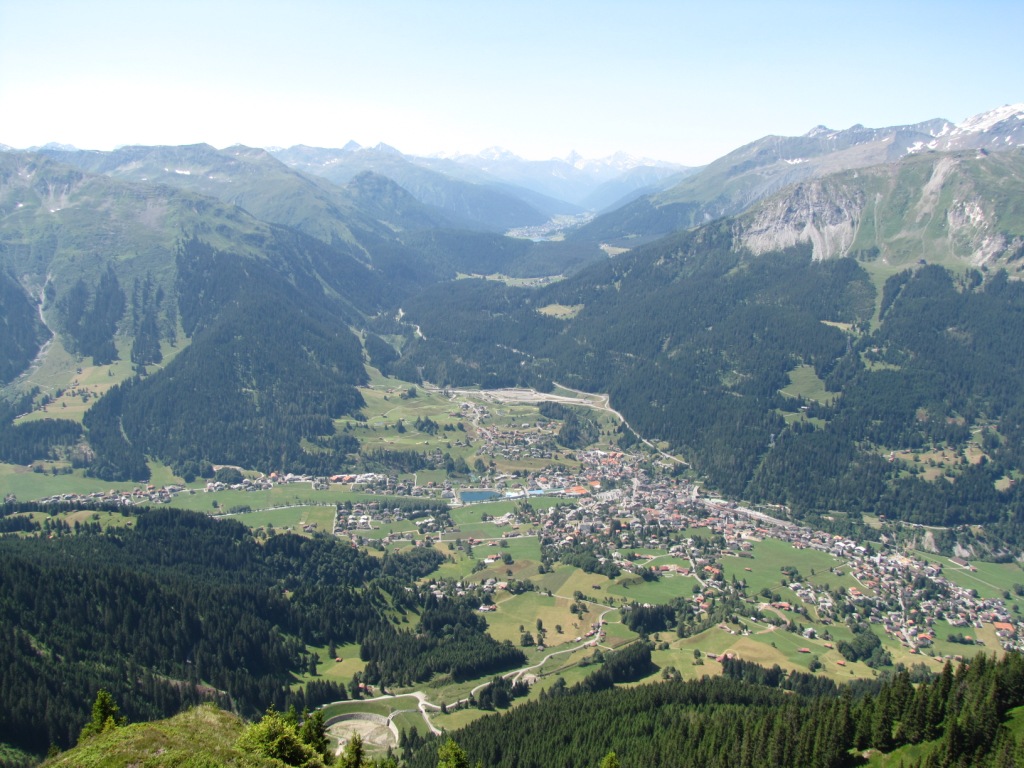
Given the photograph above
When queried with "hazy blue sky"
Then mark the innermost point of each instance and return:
(673, 80)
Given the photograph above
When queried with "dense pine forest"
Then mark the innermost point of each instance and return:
(23, 331)
(183, 608)
(751, 716)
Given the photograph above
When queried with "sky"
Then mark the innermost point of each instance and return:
(679, 81)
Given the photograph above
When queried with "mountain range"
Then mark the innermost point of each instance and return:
(790, 253)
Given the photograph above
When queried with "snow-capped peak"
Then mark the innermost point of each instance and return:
(497, 153)
(385, 149)
(987, 120)
(819, 131)
(54, 146)
(619, 162)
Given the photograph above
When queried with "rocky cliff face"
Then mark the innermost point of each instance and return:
(960, 208)
(820, 212)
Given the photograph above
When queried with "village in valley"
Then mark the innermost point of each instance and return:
(639, 517)
(564, 548)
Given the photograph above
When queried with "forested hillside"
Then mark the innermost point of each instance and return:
(745, 718)
(185, 608)
(694, 339)
(20, 328)
(267, 368)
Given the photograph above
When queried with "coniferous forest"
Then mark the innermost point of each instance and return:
(751, 718)
(722, 331)
(181, 609)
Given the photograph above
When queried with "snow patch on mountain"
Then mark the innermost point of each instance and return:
(988, 120)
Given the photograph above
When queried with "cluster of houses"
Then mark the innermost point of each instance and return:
(143, 495)
(617, 506)
(517, 444)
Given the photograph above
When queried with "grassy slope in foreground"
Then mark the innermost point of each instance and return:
(204, 736)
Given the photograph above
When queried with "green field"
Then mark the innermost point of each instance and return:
(524, 610)
(804, 382)
(771, 555)
(290, 518)
(412, 721)
(26, 484)
(382, 707)
(666, 589)
(80, 383)
(386, 529)
(105, 519)
(990, 579)
(335, 671)
(455, 719)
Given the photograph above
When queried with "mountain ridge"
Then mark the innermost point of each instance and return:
(738, 180)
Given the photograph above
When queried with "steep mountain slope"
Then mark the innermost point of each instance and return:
(736, 181)
(188, 269)
(1000, 128)
(61, 224)
(21, 328)
(951, 208)
(257, 182)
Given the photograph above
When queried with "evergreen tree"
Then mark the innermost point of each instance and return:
(106, 715)
(275, 737)
(313, 731)
(451, 755)
(354, 754)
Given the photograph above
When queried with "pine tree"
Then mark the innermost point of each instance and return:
(451, 755)
(353, 756)
(313, 731)
(106, 715)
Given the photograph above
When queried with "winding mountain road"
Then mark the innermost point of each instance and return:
(515, 675)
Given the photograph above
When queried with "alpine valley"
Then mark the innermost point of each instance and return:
(765, 412)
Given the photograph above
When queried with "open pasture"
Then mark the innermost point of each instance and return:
(989, 579)
(293, 518)
(524, 610)
(25, 484)
(665, 589)
(770, 556)
(805, 383)
(380, 706)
